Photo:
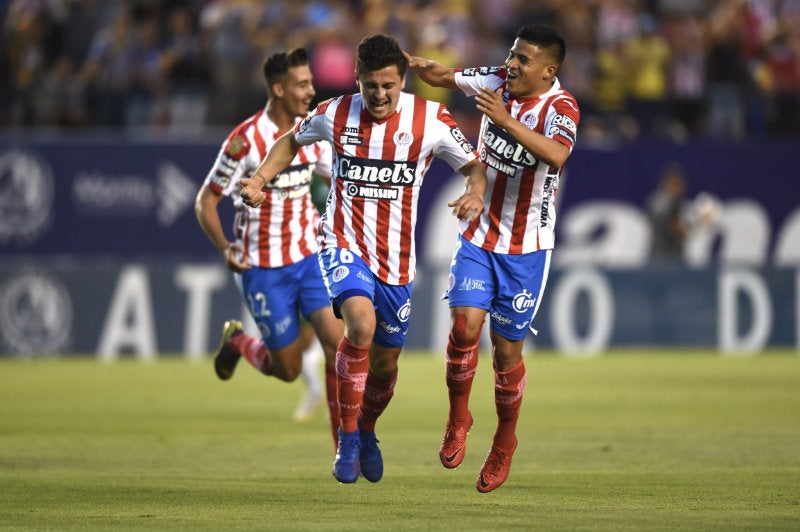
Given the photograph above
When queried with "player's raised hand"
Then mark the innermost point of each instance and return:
(491, 104)
(251, 192)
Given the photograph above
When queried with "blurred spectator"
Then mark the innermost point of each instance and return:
(646, 57)
(727, 76)
(727, 69)
(666, 208)
(108, 70)
(184, 64)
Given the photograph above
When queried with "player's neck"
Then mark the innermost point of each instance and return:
(278, 115)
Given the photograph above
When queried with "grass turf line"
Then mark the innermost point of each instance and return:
(626, 441)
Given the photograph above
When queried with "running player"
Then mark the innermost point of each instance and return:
(528, 130)
(383, 141)
(273, 256)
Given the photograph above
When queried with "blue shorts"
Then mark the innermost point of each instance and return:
(347, 275)
(508, 287)
(277, 297)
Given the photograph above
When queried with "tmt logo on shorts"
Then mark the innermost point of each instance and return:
(404, 312)
(523, 301)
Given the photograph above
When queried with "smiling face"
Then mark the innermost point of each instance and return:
(296, 90)
(530, 69)
(381, 90)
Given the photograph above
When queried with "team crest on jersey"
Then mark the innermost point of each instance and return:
(237, 145)
(529, 119)
(403, 138)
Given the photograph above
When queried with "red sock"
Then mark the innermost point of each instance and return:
(352, 365)
(254, 350)
(331, 389)
(509, 386)
(460, 366)
(377, 394)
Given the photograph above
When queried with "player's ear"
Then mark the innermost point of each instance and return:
(550, 71)
(277, 90)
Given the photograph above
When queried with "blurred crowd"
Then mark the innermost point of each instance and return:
(675, 69)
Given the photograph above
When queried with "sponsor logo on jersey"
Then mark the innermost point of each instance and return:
(294, 176)
(503, 146)
(461, 139)
(403, 138)
(354, 190)
(378, 172)
(26, 196)
(347, 139)
(481, 71)
(523, 301)
(563, 126)
(550, 182)
(302, 127)
(35, 314)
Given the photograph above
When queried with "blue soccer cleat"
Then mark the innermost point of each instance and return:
(346, 466)
(370, 456)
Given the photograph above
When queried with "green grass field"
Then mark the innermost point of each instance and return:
(626, 441)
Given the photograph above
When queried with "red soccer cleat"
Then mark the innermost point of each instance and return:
(451, 453)
(495, 469)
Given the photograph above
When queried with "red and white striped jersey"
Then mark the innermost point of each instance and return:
(521, 211)
(283, 229)
(378, 169)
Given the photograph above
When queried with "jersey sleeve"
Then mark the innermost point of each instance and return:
(325, 160)
(453, 148)
(230, 163)
(471, 80)
(562, 124)
(313, 127)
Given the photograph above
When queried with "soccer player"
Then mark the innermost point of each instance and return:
(273, 256)
(502, 258)
(383, 141)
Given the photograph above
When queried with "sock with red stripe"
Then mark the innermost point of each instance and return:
(509, 387)
(352, 365)
(377, 394)
(254, 351)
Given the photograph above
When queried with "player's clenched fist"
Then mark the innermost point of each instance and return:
(251, 192)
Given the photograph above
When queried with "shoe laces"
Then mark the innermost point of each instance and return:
(348, 446)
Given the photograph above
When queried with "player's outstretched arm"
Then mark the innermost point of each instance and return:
(279, 158)
(470, 204)
(431, 72)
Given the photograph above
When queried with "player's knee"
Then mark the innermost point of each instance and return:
(463, 333)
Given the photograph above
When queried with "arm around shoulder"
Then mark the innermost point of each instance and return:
(432, 72)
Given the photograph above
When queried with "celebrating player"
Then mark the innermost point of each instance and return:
(274, 254)
(527, 132)
(383, 141)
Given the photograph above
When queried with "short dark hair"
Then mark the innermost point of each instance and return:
(276, 65)
(379, 51)
(546, 38)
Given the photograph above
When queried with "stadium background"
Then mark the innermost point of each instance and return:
(111, 114)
